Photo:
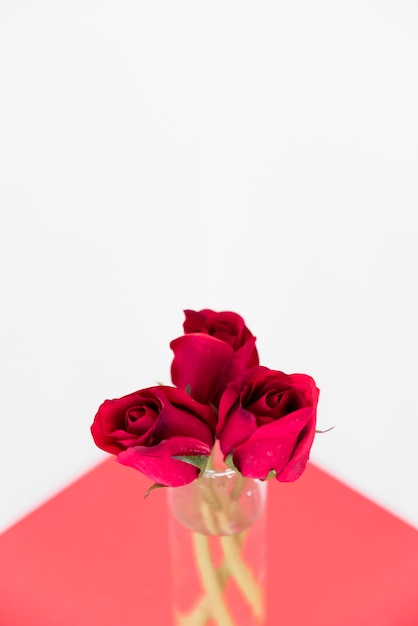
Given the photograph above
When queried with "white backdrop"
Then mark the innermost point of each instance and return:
(254, 156)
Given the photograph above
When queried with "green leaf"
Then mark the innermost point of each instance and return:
(152, 488)
(188, 389)
(199, 461)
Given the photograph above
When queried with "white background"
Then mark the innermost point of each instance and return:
(252, 156)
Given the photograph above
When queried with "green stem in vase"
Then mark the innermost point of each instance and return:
(202, 612)
(238, 569)
(211, 581)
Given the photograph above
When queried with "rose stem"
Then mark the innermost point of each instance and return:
(243, 576)
(211, 580)
(200, 615)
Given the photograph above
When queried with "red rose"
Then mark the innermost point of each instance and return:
(225, 325)
(145, 429)
(267, 421)
(215, 349)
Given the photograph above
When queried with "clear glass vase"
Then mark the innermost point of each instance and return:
(217, 543)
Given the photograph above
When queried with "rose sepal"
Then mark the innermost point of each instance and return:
(153, 488)
(271, 474)
(230, 462)
(200, 461)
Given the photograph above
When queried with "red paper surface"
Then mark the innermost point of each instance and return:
(97, 555)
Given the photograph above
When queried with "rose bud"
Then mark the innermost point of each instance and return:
(224, 325)
(215, 349)
(266, 422)
(145, 429)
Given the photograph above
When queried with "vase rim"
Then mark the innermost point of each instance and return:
(214, 473)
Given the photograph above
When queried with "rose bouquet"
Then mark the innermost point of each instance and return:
(227, 416)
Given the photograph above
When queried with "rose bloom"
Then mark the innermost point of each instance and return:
(267, 422)
(216, 348)
(145, 429)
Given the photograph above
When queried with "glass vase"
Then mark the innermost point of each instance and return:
(217, 545)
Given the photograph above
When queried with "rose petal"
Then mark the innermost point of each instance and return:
(108, 427)
(243, 359)
(199, 361)
(225, 325)
(239, 427)
(271, 446)
(156, 462)
(306, 385)
(229, 398)
(297, 463)
(180, 415)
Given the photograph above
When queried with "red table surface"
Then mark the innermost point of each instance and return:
(97, 555)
